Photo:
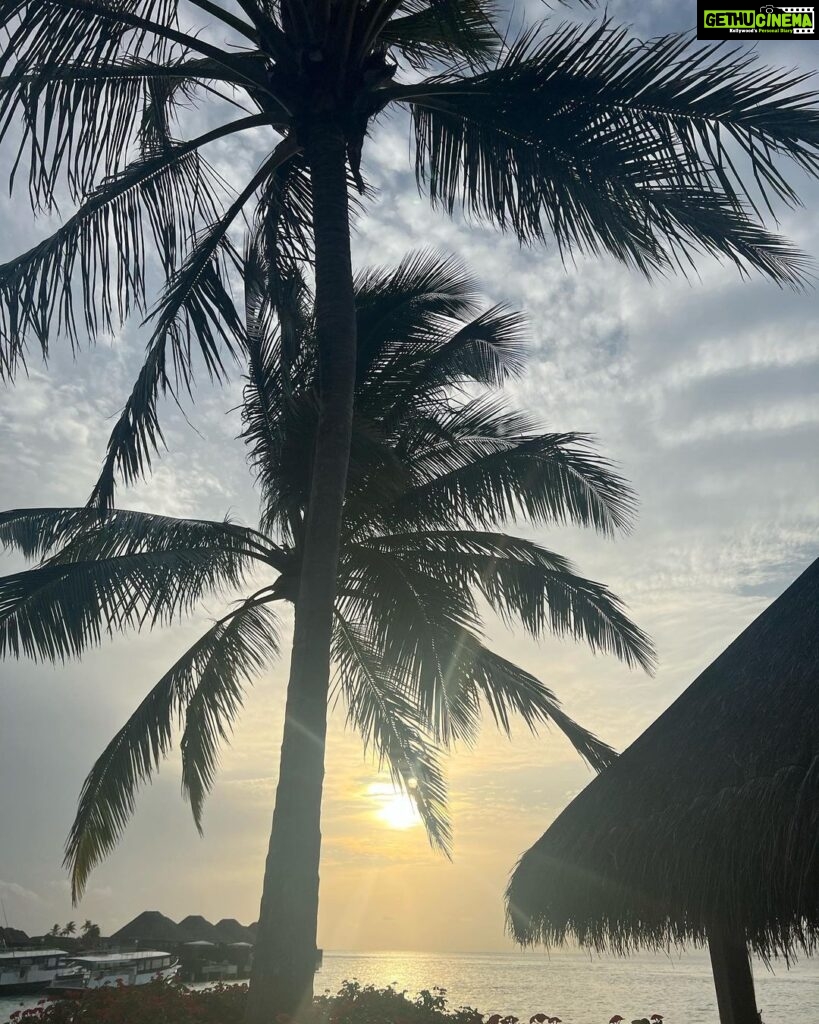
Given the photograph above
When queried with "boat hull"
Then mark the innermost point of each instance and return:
(22, 987)
(74, 988)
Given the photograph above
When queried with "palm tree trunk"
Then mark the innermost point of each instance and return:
(285, 950)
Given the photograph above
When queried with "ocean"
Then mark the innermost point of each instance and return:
(567, 984)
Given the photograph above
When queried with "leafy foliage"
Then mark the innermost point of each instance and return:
(203, 689)
(354, 1003)
(436, 474)
(652, 152)
(610, 144)
(225, 1004)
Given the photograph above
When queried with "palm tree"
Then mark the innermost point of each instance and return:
(439, 463)
(583, 134)
(69, 929)
(54, 930)
(90, 932)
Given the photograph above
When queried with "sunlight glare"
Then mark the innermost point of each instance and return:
(394, 808)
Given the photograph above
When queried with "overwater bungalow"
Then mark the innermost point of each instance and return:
(706, 829)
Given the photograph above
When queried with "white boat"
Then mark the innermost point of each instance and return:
(98, 970)
(27, 970)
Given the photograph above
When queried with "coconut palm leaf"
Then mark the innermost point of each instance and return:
(436, 32)
(35, 532)
(244, 647)
(609, 144)
(196, 309)
(402, 609)
(60, 609)
(526, 583)
(395, 306)
(419, 613)
(202, 686)
(167, 193)
(480, 465)
(389, 723)
(418, 378)
(84, 533)
(82, 118)
(508, 690)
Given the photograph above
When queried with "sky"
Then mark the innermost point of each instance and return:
(704, 392)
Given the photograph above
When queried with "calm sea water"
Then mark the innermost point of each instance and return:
(570, 985)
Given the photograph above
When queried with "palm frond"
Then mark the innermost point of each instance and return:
(488, 349)
(195, 309)
(418, 621)
(60, 609)
(525, 582)
(227, 656)
(42, 33)
(84, 118)
(508, 690)
(395, 306)
(405, 611)
(56, 30)
(426, 34)
(34, 532)
(605, 143)
(389, 724)
(480, 465)
(244, 28)
(83, 533)
(247, 643)
(281, 236)
(170, 194)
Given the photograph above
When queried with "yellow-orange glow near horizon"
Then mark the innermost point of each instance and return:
(395, 809)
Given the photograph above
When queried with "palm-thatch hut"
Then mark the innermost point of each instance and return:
(706, 829)
(195, 928)
(148, 927)
(230, 931)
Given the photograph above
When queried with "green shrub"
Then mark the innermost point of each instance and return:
(160, 1003)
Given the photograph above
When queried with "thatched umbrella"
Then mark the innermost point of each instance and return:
(706, 829)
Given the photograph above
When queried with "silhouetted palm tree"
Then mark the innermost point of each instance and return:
(90, 932)
(435, 473)
(583, 134)
(69, 929)
(54, 930)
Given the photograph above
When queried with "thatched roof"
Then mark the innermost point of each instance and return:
(12, 937)
(229, 930)
(149, 926)
(195, 928)
(710, 818)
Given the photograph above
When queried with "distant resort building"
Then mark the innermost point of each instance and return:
(204, 951)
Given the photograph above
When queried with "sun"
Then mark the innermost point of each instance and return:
(394, 808)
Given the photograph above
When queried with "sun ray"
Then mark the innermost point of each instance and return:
(396, 809)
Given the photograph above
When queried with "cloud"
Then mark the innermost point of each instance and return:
(19, 892)
(703, 392)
